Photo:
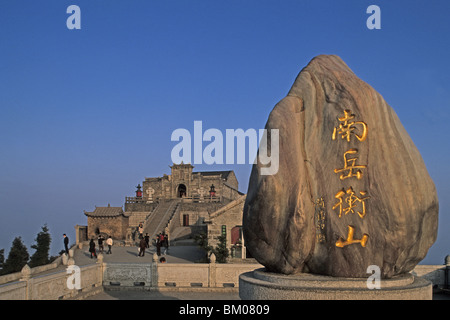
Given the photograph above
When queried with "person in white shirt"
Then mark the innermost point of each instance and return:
(109, 242)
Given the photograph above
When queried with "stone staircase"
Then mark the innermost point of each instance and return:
(160, 217)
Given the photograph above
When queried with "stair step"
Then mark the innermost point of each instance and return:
(160, 217)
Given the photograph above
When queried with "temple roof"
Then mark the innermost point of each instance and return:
(105, 212)
(223, 174)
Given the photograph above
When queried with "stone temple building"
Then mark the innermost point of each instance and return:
(181, 204)
(113, 220)
(183, 183)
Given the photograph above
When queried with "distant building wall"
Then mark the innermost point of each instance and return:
(228, 220)
(183, 182)
(116, 227)
(81, 234)
(110, 221)
(198, 212)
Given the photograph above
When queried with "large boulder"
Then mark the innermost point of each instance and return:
(351, 189)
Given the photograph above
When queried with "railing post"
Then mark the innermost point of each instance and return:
(212, 271)
(26, 277)
(154, 271)
(447, 273)
(100, 269)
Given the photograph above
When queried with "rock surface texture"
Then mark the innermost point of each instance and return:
(351, 191)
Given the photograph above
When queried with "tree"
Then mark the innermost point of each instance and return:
(17, 257)
(2, 258)
(221, 250)
(42, 247)
(202, 240)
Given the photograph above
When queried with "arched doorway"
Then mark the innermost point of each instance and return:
(181, 192)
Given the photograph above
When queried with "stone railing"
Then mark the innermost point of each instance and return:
(198, 199)
(211, 275)
(184, 199)
(179, 275)
(60, 284)
(17, 275)
(128, 275)
(433, 273)
(53, 286)
(171, 219)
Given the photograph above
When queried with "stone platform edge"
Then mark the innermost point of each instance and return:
(261, 285)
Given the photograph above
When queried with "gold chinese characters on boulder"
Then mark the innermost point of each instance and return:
(346, 127)
(349, 200)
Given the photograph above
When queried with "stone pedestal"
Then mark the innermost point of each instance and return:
(262, 285)
(64, 259)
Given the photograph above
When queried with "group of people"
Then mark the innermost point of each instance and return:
(92, 250)
(162, 240)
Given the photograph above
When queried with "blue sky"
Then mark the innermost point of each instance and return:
(87, 114)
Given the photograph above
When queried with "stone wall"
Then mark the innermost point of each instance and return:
(116, 227)
(229, 216)
(53, 286)
(94, 277)
(33, 271)
(194, 184)
(141, 206)
(197, 212)
(433, 273)
(179, 275)
(128, 274)
(137, 217)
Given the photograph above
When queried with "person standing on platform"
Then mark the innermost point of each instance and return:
(158, 246)
(141, 231)
(147, 240)
(166, 244)
(142, 246)
(66, 243)
(109, 242)
(100, 243)
(92, 248)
